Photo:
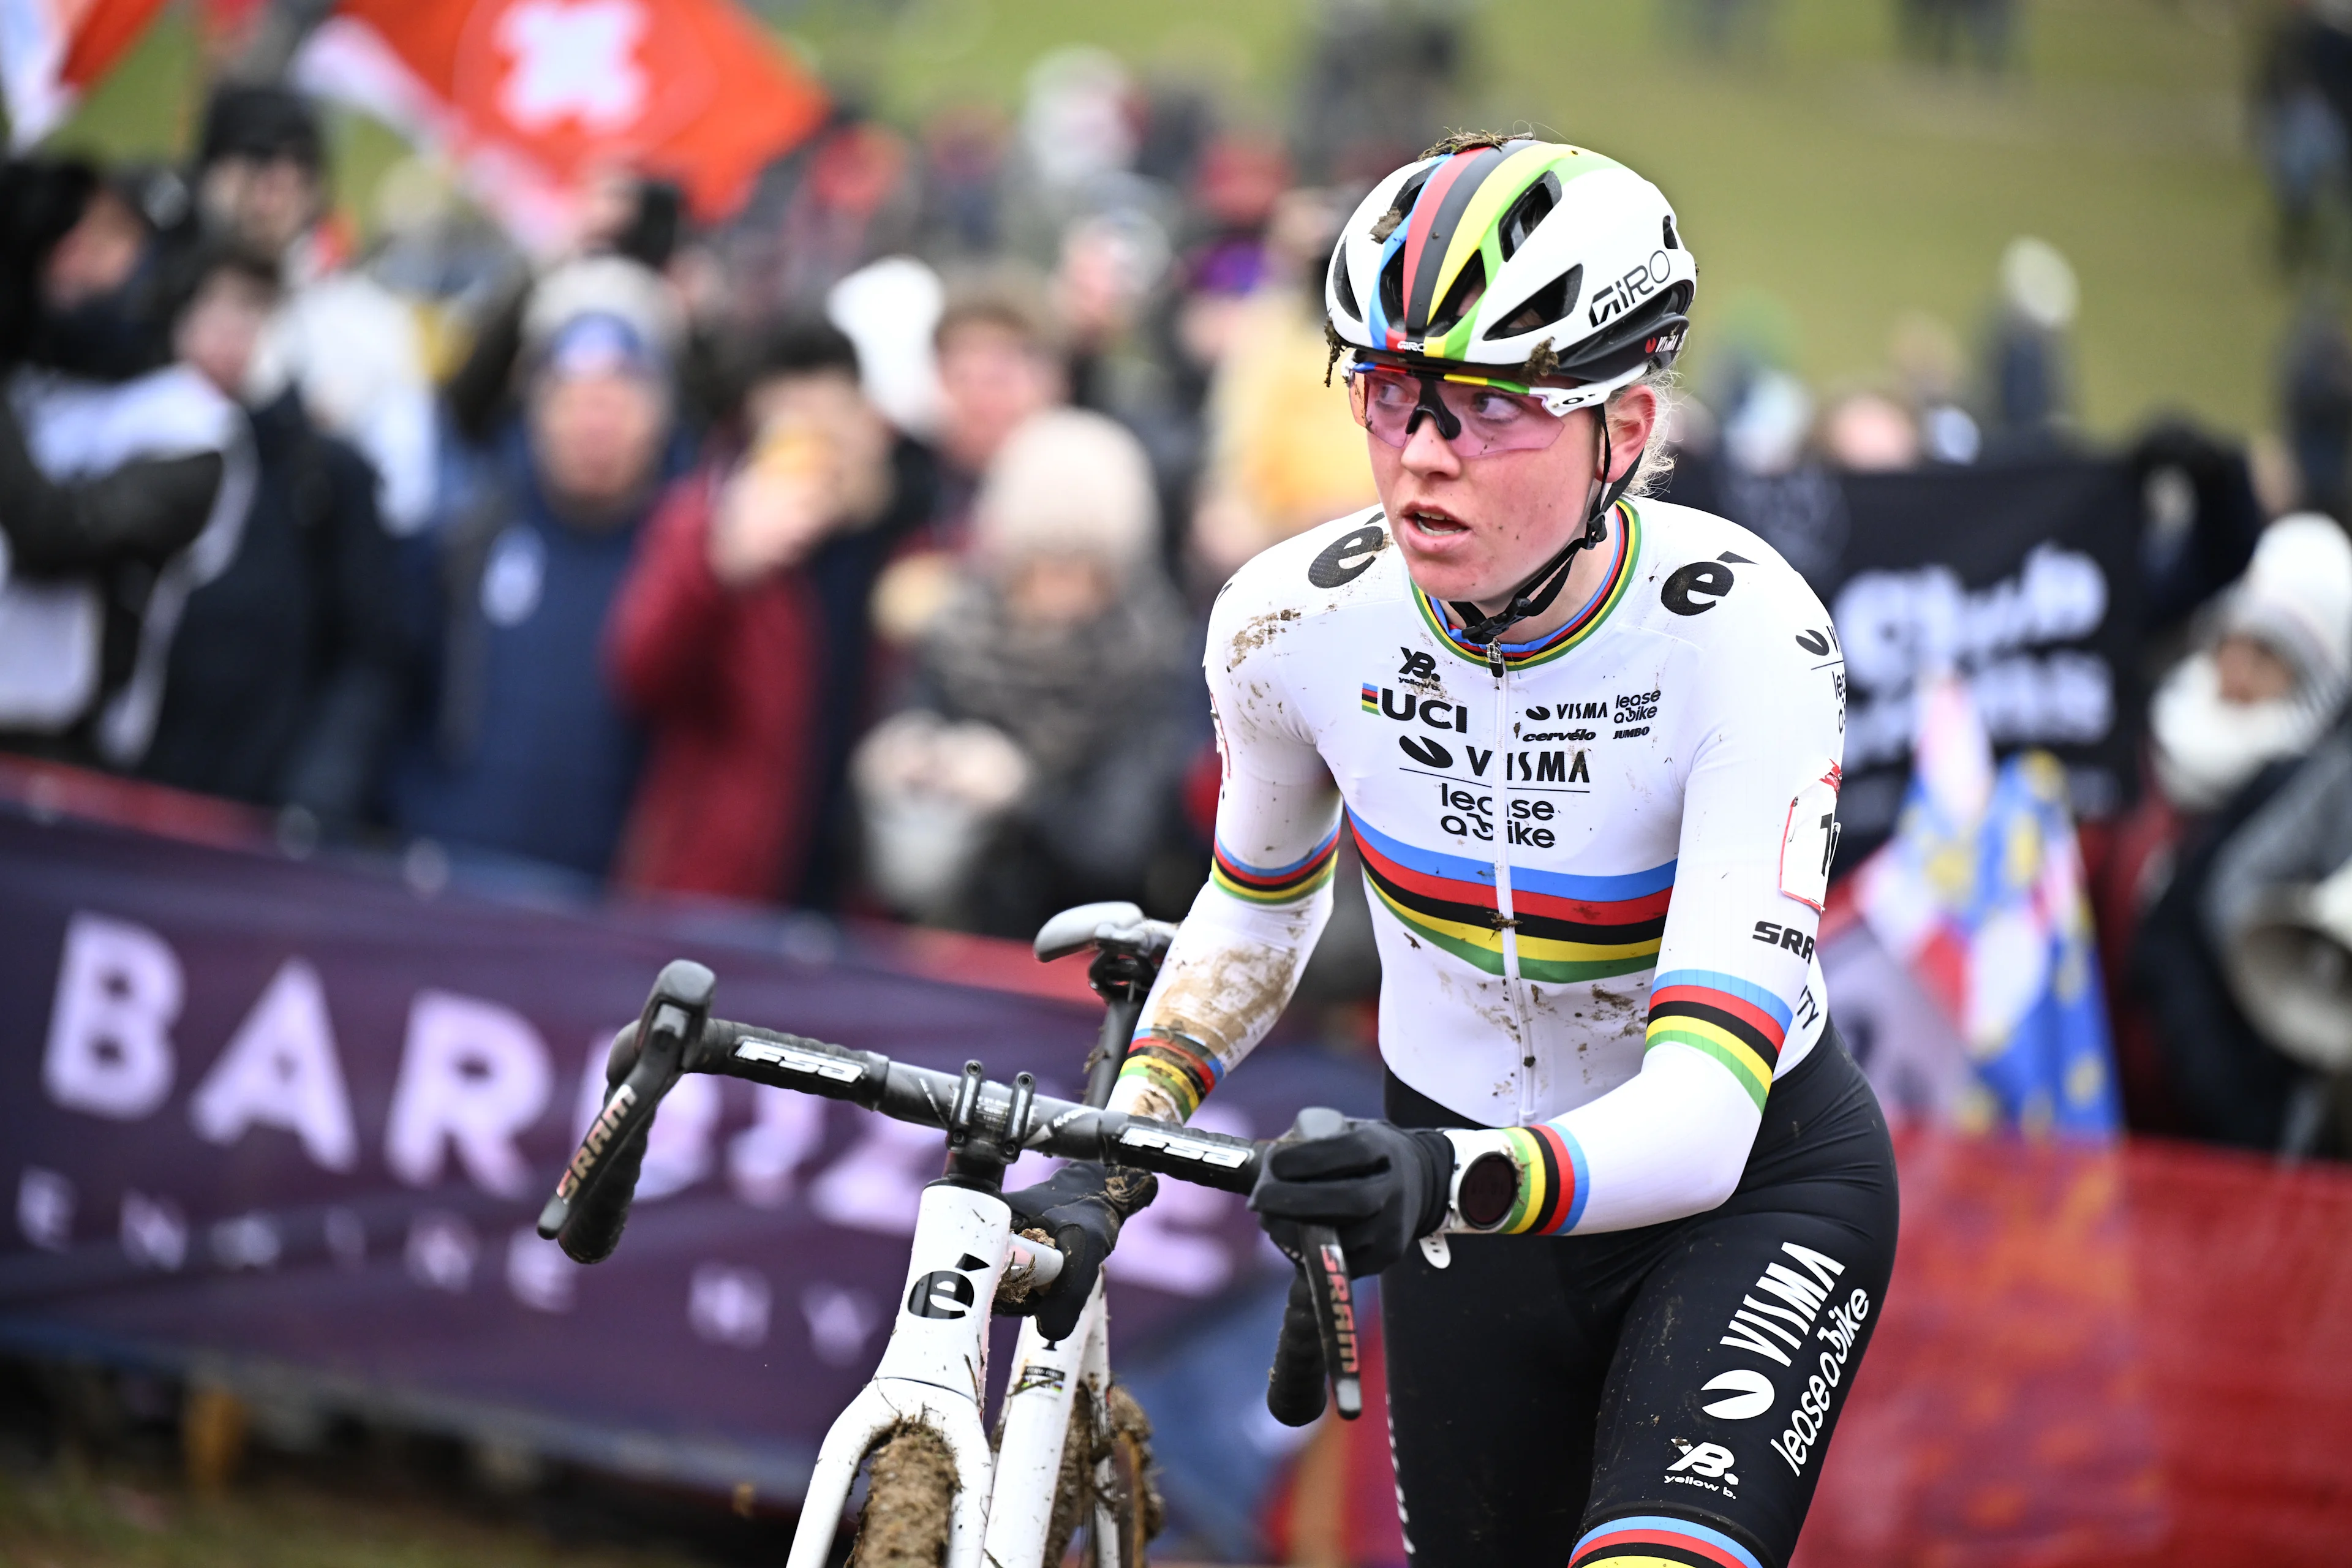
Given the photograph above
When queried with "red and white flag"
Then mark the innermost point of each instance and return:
(530, 97)
(52, 50)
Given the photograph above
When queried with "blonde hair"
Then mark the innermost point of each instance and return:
(1657, 462)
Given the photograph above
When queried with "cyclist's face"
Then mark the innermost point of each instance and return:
(1476, 528)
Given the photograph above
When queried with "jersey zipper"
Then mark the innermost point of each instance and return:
(1506, 917)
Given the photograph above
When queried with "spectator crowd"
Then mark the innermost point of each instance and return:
(852, 555)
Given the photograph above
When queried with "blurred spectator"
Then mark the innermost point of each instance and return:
(349, 345)
(2027, 394)
(1000, 362)
(841, 199)
(964, 163)
(2316, 377)
(1036, 762)
(1929, 363)
(529, 754)
(1283, 451)
(2279, 910)
(1942, 32)
(1379, 86)
(1724, 29)
(2273, 675)
(1109, 263)
(740, 634)
(2227, 727)
(285, 675)
(1868, 432)
(626, 216)
(2302, 89)
(123, 496)
(2201, 518)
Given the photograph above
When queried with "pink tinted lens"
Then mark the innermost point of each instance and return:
(1490, 420)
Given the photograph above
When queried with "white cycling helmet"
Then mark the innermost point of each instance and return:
(1519, 259)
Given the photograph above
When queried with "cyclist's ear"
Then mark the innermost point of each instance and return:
(1633, 414)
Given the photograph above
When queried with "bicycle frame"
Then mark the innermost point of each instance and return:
(934, 1372)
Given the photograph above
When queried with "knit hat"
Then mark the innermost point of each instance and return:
(605, 286)
(1068, 482)
(2296, 599)
(259, 121)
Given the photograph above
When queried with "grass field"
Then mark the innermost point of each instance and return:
(70, 1518)
(1822, 182)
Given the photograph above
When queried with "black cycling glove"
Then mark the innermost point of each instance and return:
(1381, 1186)
(1082, 1208)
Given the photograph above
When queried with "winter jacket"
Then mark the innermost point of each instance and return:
(283, 680)
(728, 683)
(528, 752)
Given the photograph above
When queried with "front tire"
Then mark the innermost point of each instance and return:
(908, 1496)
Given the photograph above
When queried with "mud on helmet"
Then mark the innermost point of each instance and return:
(1510, 261)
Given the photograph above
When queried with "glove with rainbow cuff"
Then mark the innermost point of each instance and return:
(1515, 1180)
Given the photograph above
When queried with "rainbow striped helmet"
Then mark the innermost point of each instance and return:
(1524, 257)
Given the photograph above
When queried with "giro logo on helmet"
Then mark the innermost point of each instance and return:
(1638, 283)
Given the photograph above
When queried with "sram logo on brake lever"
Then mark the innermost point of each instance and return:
(599, 1137)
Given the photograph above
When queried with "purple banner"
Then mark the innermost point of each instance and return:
(292, 1124)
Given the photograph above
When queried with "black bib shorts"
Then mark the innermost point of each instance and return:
(1663, 1394)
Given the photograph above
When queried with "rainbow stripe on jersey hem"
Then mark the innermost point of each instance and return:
(1278, 884)
(1553, 1184)
(1627, 537)
(1736, 1021)
(1653, 1541)
(1569, 927)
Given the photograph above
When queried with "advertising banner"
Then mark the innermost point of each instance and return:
(2022, 578)
(290, 1125)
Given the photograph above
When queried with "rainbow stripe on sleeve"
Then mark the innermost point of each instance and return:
(1552, 1181)
(1569, 927)
(1178, 1066)
(1736, 1021)
(1278, 884)
(1651, 1540)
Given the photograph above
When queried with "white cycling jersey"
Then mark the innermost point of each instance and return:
(1595, 861)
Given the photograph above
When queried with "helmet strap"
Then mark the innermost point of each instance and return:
(1537, 593)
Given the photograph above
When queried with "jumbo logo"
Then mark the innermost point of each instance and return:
(1639, 283)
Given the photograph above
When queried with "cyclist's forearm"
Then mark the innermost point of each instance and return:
(1228, 977)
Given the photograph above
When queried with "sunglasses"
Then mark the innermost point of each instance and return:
(1476, 415)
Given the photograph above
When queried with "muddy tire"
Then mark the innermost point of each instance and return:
(908, 1498)
(1121, 1447)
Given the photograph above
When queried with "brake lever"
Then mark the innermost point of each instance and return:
(1323, 1264)
(591, 1203)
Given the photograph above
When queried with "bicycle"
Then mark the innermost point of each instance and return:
(1070, 1451)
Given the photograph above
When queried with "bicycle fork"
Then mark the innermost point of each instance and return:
(934, 1372)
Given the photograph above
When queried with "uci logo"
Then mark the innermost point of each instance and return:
(946, 1292)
